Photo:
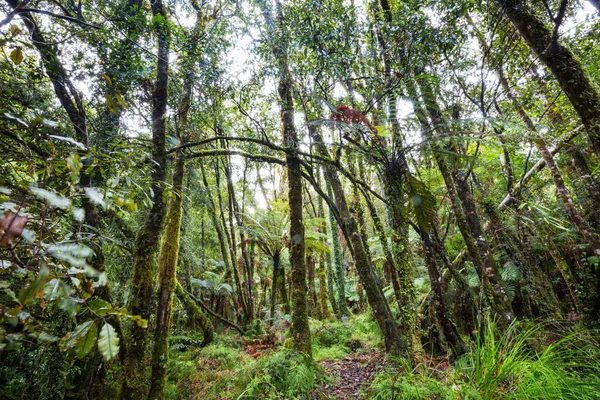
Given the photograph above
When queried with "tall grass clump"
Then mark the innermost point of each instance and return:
(507, 365)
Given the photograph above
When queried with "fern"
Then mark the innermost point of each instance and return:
(421, 203)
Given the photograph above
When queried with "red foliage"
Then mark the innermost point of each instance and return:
(348, 115)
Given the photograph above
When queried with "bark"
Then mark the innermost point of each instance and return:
(148, 237)
(278, 284)
(248, 304)
(300, 328)
(327, 258)
(167, 269)
(323, 296)
(566, 68)
(393, 178)
(390, 265)
(218, 226)
(230, 236)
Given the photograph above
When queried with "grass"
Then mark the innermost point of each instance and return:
(517, 364)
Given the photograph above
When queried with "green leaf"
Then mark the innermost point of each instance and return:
(82, 339)
(100, 306)
(16, 56)
(35, 288)
(53, 199)
(86, 341)
(108, 342)
(73, 253)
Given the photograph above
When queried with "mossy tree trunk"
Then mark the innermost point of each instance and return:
(300, 328)
(148, 237)
(167, 268)
(314, 310)
(196, 314)
(566, 68)
(323, 295)
(278, 284)
(395, 342)
(443, 315)
(327, 256)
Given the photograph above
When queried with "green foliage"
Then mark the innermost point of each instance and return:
(501, 365)
(336, 340)
(402, 382)
(282, 375)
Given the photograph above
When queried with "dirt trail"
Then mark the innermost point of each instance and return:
(352, 373)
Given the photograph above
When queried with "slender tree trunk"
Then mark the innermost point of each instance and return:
(327, 258)
(313, 303)
(393, 178)
(148, 237)
(245, 260)
(323, 296)
(196, 314)
(448, 328)
(217, 226)
(337, 261)
(565, 67)
(230, 236)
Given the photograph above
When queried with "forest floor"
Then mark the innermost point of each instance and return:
(351, 374)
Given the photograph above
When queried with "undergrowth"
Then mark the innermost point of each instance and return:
(524, 362)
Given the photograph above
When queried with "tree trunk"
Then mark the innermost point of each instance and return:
(148, 237)
(393, 179)
(300, 328)
(167, 269)
(327, 258)
(565, 67)
(196, 314)
(314, 310)
(450, 332)
(337, 261)
(323, 296)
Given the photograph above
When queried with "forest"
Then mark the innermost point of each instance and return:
(299, 199)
